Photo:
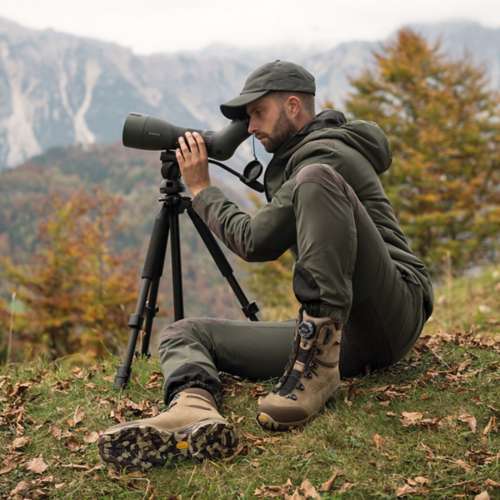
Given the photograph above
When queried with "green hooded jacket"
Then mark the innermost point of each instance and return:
(359, 151)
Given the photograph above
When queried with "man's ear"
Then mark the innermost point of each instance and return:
(293, 106)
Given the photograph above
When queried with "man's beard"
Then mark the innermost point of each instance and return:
(282, 131)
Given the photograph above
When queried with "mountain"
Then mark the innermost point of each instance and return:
(58, 89)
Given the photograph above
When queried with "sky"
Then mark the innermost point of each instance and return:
(169, 26)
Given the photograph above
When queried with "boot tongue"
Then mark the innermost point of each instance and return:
(302, 359)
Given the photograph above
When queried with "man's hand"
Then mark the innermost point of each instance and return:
(193, 162)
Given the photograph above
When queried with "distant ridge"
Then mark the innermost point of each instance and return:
(58, 89)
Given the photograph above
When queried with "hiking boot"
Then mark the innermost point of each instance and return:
(310, 378)
(191, 427)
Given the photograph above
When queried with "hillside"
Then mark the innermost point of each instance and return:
(426, 428)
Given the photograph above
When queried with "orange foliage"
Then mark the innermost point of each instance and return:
(442, 122)
(75, 291)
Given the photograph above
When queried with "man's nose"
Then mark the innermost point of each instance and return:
(251, 126)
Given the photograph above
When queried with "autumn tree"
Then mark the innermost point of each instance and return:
(442, 123)
(76, 290)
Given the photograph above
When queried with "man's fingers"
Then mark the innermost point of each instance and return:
(193, 145)
(184, 147)
(201, 144)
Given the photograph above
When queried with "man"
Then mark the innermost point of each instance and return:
(364, 295)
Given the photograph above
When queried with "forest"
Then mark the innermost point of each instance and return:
(74, 223)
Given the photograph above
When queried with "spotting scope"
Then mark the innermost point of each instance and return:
(153, 134)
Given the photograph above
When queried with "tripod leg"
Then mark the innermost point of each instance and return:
(151, 310)
(175, 249)
(151, 274)
(250, 309)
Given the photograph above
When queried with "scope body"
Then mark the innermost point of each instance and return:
(146, 132)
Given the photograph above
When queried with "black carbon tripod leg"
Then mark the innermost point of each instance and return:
(146, 303)
(175, 250)
(151, 309)
(250, 309)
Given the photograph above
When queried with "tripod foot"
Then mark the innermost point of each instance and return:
(122, 377)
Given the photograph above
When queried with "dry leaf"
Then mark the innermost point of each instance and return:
(470, 420)
(463, 465)
(92, 437)
(411, 418)
(37, 465)
(308, 490)
(491, 483)
(20, 442)
(72, 444)
(328, 485)
(346, 487)
(274, 491)
(491, 425)
(155, 381)
(405, 490)
(56, 432)
(21, 486)
(78, 416)
(78, 372)
(482, 496)
(378, 441)
(9, 467)
(421, 480)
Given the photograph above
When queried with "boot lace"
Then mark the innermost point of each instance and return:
(290, 379)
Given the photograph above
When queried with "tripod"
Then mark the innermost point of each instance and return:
(167, 221)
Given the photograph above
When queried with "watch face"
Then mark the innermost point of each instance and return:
(306, 329)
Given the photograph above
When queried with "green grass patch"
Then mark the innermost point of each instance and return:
(425, 428)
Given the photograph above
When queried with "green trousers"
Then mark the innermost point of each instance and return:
(343, 270)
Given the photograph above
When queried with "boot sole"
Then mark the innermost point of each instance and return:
(143, 447)
(267, 422)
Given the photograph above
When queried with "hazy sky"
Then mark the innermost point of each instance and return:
(165, 25)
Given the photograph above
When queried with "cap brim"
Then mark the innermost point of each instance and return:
(235, 109)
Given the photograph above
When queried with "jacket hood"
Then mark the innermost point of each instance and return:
(364, 136)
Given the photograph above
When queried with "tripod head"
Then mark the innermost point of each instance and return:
(172, 181)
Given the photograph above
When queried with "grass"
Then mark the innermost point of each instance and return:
(424, 428)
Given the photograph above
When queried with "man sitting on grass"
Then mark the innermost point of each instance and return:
(364, 295)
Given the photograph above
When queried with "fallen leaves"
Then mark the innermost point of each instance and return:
(305, 491)
(91, 437)
(490, 426)
(155, 381)
(126, 409)
(378, 441)
(37, 465)
(415, 486)
(416, 418)
(20, 442)
(328, 484)
(470, 420)
(77, 417)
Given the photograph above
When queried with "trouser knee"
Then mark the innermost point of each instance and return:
(321, 175)
(185, 331)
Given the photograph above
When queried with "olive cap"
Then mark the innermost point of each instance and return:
(274, 76)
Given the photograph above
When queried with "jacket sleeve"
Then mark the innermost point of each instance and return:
(263, 236)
